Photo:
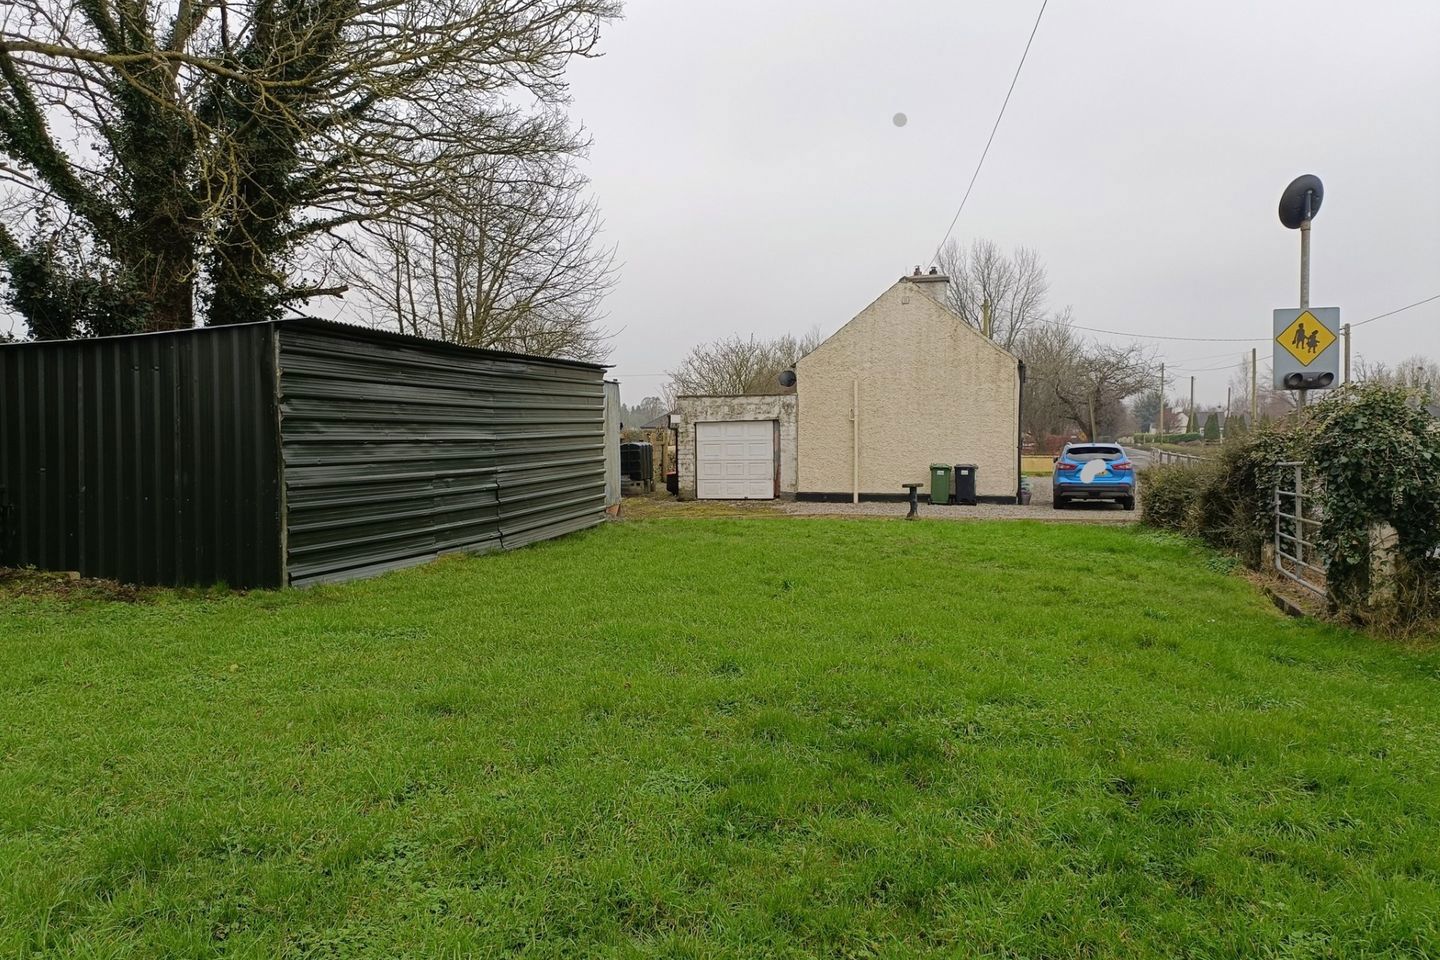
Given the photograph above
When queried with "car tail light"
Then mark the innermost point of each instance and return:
(1122, 466)
(1065, 466)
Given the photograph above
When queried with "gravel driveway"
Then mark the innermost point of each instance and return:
(1039, 509)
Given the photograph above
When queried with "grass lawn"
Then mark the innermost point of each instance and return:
(796, 738)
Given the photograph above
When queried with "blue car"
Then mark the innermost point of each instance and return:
(1094, 471)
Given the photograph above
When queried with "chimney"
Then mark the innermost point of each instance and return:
(933, 284)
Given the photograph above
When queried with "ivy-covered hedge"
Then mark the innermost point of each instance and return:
(1376, 454)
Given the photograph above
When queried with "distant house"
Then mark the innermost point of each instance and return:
(661, 422)
(904, 384)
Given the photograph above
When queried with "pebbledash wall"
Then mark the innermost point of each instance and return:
(930, 388)
(293, 452)
(690, 410)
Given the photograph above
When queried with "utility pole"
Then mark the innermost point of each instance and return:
(1225, 427)
(1160, 430)
(1254, 389)
(1345, 332)
(987, 326)
(1192, 406)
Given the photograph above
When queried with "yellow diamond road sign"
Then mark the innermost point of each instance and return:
(1306, 338)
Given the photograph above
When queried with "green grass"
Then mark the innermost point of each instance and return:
(802, 738)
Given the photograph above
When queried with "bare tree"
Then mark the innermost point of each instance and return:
(1268, 401)
(648, 409)
(506, 257)
(1048, 349)
(216, 151)
(1001, 296)
(1103, 377)
(1417, 373)
(736, 365)
(1075, 381)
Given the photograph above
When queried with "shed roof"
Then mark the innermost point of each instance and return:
(333, 326)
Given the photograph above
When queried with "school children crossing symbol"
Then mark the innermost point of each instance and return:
(1306, 338)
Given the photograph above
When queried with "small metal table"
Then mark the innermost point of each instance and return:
(914, 499)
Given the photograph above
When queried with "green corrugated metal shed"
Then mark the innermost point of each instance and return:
(290, 452)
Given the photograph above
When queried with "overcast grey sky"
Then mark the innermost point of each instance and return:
(753, 181)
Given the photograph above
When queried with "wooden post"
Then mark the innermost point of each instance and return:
(1160, 435)
(1254, 389)
(1345, 331)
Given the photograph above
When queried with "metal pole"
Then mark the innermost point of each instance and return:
(1304, 264)
(1225, 427)
(1304, 272)
(1345, 332)
(1192, 425)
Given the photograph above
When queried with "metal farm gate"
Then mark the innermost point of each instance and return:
(1297, 515)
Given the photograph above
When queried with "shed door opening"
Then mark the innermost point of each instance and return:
(735, 460)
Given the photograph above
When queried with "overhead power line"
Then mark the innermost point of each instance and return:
(1417, 303)
(1157, 336)
(1161, 336)
(1000, 116)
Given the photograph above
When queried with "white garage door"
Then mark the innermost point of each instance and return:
(735, 460)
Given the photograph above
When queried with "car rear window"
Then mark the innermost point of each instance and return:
(1082, 454)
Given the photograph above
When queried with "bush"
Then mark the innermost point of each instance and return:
(1168, 491)
(1171, 438)
(1225, 501)
(1233, 508)
(1212, 427)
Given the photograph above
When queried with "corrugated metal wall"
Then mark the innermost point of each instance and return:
(397, 450)
(612, 443)
(146, 459)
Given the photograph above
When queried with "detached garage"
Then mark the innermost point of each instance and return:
(736, 448)
(736, 460)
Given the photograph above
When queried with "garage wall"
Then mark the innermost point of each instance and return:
(931, 389)
(692, 410)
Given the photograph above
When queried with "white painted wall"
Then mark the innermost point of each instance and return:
(931, 389)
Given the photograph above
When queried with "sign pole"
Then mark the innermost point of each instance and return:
(1305, 273)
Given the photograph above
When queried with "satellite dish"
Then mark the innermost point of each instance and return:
(787, 378)
(1293, 206)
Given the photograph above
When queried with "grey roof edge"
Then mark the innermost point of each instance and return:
(727, 396)
(335, 326)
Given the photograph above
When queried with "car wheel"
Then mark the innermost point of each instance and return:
(1128, 503)
(1058, 503)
